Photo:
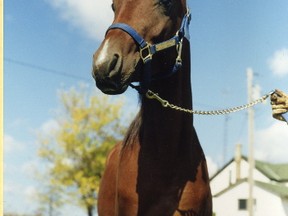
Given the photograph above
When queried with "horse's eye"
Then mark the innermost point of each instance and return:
(113, 7)
(166, 4)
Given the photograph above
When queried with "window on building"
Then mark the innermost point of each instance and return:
(243, 204)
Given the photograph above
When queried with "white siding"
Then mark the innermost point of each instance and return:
(228, 176)
(227, 203)
(285, 206)
(267, 204)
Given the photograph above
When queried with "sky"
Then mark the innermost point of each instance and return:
(48, 46)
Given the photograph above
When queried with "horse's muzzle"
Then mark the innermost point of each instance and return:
(107, 74)
(110, 87)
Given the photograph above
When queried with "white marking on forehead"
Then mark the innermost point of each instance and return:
(102, 55)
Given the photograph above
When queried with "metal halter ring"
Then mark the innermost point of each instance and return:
(145, 53)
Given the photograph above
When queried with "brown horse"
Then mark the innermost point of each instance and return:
(160, 168)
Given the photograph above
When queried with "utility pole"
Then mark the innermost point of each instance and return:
(225, 139)
(250, 142)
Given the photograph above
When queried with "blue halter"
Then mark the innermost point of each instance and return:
(147, 50)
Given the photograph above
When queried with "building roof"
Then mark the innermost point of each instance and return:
(275, 172)
(278, 189)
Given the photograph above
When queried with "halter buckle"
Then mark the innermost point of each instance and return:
(145, 53)
(179, 52)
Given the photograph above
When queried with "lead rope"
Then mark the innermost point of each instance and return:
(151, 95)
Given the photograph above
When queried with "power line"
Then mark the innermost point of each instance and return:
(44, 69)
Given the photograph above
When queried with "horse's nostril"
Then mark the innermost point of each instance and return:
(113, 62)
(114, 65)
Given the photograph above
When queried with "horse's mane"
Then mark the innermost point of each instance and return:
(132, 133)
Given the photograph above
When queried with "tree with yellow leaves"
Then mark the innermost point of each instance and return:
(87, 127)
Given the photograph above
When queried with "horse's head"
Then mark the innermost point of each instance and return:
(117, 62)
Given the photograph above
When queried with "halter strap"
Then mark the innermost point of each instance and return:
(147, 50)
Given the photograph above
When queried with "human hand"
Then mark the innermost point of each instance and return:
(279, 102)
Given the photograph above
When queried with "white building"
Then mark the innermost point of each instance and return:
(230, 188)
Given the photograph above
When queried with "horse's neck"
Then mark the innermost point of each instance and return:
(163, 129)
